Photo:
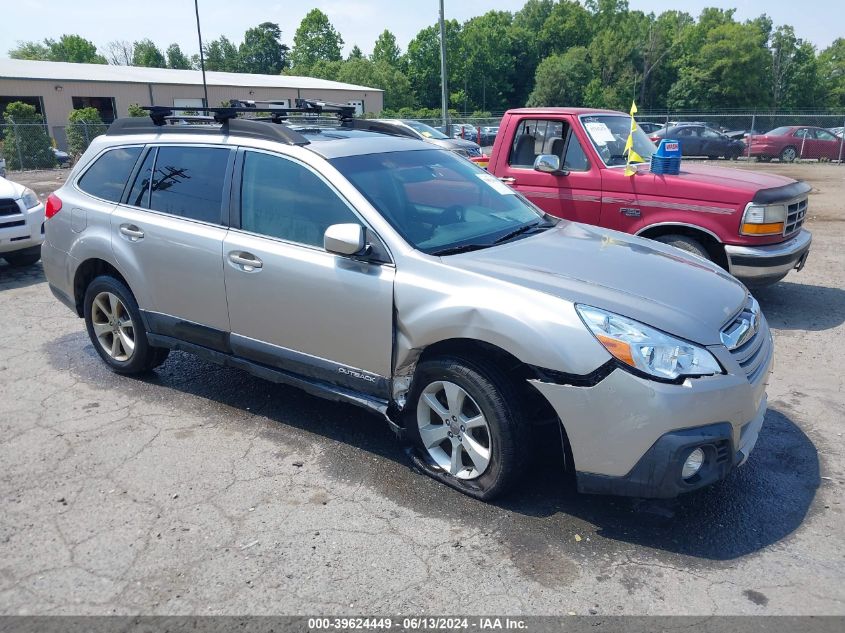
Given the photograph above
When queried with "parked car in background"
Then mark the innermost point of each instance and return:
(415, 129)
(488, 134)
(571, 163)
(62, 158)
(419, 287)
(837, 131)
(649, 127)
(795, 141)
(2, 167)
(698, 140)
(21, 224)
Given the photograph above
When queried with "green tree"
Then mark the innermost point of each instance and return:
(222, 55)
(795, 73)
(831, 63)
(355, 53)
(25, 141)
(262, 50)
(386, 50)
(423, 59)
(68, 48)
(562, 80)
(176, 58)
(146, 53)
(84, 125)
(136, 111)
(487, 65)
(363, 72)
(533, 15)
(569, 24)
(315, 39)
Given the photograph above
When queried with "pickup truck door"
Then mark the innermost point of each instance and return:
(292, 304)
(575, 195)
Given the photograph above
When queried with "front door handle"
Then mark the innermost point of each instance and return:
(245, 261)
(508, 180)
(132, 232)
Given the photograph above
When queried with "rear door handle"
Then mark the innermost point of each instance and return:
(508, 180)
(245, 261)
(132, 232)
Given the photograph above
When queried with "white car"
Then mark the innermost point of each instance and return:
(21, 224)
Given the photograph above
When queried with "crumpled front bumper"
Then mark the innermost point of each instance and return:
(630, 435)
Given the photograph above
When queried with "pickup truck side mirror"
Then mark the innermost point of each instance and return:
(549, 164)
(344, 239)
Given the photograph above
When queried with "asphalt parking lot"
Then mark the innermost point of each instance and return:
(203, 490)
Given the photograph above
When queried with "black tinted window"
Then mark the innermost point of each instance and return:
(139, 195)
(281, 198)
(108, 175)
(188, 182)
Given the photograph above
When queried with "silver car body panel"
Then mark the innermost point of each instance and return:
(368, 322)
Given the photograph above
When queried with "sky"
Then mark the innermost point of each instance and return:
(358, 21)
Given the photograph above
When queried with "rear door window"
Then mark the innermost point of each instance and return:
(188, 182)
(107, 177)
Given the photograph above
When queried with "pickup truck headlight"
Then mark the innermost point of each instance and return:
(29, 198)
(763, 219)
(647, 349)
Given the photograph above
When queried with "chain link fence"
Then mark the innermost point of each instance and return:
(34, 146)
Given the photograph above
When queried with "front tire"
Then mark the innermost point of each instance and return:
(114, 325)
(685, 243)
(21, 259)
(466, 424)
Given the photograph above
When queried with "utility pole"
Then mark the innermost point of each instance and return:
(202, 55)
(443, 80)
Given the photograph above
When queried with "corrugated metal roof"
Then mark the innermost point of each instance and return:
(64, 71)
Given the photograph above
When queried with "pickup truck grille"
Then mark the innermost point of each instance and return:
(795, 214)
(9, 207)
(754, 348)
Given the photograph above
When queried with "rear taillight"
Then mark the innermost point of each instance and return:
(655, 139)
(54, 205)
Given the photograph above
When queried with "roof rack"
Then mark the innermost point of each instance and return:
(278, 110)
(381, 127)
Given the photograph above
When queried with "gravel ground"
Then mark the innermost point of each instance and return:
(202, 490)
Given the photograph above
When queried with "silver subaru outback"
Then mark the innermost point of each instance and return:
(383, 272)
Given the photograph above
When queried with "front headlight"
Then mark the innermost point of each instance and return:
(763, 219)
(647, 349)
(29, 198)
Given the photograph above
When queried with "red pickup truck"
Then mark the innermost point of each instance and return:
(570, 162)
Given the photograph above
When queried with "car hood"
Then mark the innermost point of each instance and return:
(453, 143)
(653, 283)
(9, 189)
(697, 182)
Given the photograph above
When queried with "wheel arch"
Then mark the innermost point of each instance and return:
(715, 247)
(86, 272)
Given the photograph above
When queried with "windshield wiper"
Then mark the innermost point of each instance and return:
(520, 231)
(461, 248)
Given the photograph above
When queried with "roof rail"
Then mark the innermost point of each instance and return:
(371, 125)
(278, 110)
(240, 127)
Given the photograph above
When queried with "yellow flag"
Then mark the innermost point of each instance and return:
(634, 157)
(629, 145)
(633, 109)
(629, 170)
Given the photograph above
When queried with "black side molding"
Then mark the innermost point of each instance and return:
(781, 194)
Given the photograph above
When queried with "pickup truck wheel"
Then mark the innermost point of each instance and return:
(788, 154)
(685, 244)
(114, 326)
(22, 258)
(465, 422)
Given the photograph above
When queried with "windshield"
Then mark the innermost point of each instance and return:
(425, 130)
(441, 203)
(609, 134)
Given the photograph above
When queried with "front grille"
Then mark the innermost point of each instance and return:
(795, 214)
(753, 351)
(9, 207)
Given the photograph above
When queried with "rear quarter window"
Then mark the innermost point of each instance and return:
(107, 177)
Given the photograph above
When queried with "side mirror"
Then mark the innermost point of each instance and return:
(549, 164)
(344, 239)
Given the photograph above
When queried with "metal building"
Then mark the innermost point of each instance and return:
(56, 88)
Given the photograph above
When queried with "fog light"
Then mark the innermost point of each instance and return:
(693, 464)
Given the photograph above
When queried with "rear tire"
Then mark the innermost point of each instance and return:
(21, 259)
(685, 243)
(472, 423)
(788, 154)
(114, 325)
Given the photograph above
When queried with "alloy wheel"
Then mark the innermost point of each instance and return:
(789, 155)
(453, 430)
(113, 326)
